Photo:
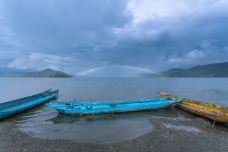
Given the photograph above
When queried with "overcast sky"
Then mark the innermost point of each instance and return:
(80, 35)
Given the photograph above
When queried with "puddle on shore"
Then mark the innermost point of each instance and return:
(181, 127)
(100, 129)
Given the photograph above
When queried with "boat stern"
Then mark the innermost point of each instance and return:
(60, 106)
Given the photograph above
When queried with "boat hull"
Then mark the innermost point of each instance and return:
(86, 108)
(21, 106)
(210, 111)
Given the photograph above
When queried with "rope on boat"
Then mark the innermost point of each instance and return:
(213, 124)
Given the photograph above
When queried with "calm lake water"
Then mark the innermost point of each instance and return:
(47, 123)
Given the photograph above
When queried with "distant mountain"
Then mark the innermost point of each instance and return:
(209, 70)
(50, 73)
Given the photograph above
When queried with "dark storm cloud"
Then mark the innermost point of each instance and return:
(64, 28)
(64, 25)
(77, 35)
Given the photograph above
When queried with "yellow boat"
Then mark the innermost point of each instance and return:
(213, 112)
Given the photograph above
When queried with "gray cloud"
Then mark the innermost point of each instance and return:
(56, 25)
(181, 40)
(78, 35)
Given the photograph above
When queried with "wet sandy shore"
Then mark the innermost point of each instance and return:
(167, 135)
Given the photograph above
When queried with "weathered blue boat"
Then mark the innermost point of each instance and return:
(81, 108)
(19, 105)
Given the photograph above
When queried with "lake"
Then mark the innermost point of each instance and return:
(48, 123)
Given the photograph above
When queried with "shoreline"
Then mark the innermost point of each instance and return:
(167, 135)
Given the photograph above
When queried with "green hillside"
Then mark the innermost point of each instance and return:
(209, 70)
(50, 73)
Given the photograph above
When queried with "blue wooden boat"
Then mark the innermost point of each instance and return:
(81, 108)
(19, 105)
